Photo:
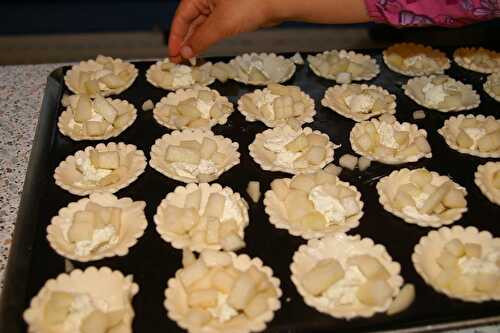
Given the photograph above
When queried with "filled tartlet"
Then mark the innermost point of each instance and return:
(169, 76)
(442, 93)
(95, 119)
(313, 205)
(462, 263)
(278, 105)
(292, 150)
(197, 107)
(477, 59)
(193, 155)
(343, 66)
(346, 276)
(103, 168)
(222, 292)
(422, 197)
(473, 135)
(487, 178)
(359, 101)
(387, 141)
(97, 227)
(90, 301)
(412, 59)
(262, 69)
(492, 86)
(198, 217)
(104, 76)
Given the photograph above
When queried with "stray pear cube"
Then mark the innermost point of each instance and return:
(322, 276)
(374, 292)
(244, 289)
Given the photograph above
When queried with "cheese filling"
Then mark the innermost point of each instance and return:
(331, 208)
(80, 308)
(277, 145)
(222, 311)
(434, 94)
(182, 76)
(420, 61)
(386, 135)
(204, 108)
(360, 103)
(191, 171)
(101, 237)
(475, 134)
(487, 264)
(343, 292)
(90, 173)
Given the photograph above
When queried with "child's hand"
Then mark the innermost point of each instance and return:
(200, 23)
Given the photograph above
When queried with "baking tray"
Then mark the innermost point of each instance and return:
(153, 261)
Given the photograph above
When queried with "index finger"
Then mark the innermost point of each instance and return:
(185, 14)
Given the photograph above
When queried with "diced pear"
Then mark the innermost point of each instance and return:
(403, 300)
(253, 190)
(487, 282)
(454, 199)
(199, 123)
(188, 257)
(333, 169)
(180, 154)
(203, 298)
(257, 306)
(280, 188)
(193, 200)
(298, 204)
(112, 81)
(206, 95)
(463, 140)
(314, 221)
(57, 307)
(82, 226)
(227, 227)
(300, 143)
(105, 109)
(108, 159)
(355, 69)
(213, 258)
(215, 205)
(198, 317)
(193, 273)
(278, 89)
(439, 209)
(191, 144)
(217, 110)
(316, 154)
(468, 123)
(244, 289)
(410, 150)
(212, 236)
(370, 266)
(395, 59)
(473, 250)
(298, 109)
(322, 276)
(188, 108)
(446, 275)
(409, 188)
(455, 247)
(232, 242)
(256, 75)
(83, 77)
(322, 177)
(365, 142)
(422, 144)
(436, 197)
(351, 206)
(174, 223)
(83, 111)
(462, 285)
(95, 322)
(489, 142)
(112, 178)
(223, 281)
(122, 120)
(374, 292)
(180, 121)
(94, 128)
(348, 161)
(447, 260)
(116, 218)
(402, 137)
(219, 158)
(208, 148)
(92, 87)
(420, 177)
(303, 182)
(317, 139)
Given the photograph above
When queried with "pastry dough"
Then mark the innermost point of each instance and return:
(477, 59)
(492, 86)
(262, 68)
(169, 76)
(412, 59)
(487, 178)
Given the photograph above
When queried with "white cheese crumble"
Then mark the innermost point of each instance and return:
(420, 61)
(181, 76)
(222, 311)
(100, 237)
(487, 264)
(360, 103)
(231, 210)
(90, 173)
(277, 145)
(331, 208)
(343, 292)
(191, 171)
(386, 135)
(434, 94)
(297, 59)
(475, 134)
(204, 108)
(80, 308)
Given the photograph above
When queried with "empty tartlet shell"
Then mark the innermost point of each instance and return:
(305, 117)
(224, 145)
(351, 55)
(132, 226)
(462, 52)
(102, 284)
(436, 55)
(264, 163)
(488, 85)
(333, 99)
(483, 179)
(157, 67)
(284, 75)
(430, 246)
(276, 211)
(67, 116)
(341, 247)
(388, 186)
(66, 173)
(178, 197)
(174, 98)
(451, 125)
(412, 128)
(413, 88)
(92, 65)
(176, 301)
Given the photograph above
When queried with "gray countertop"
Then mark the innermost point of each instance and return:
(21, 93)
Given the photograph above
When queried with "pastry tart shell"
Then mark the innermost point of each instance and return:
(488, 85)
(436, 55)
(461, 53)
(483, 179)
(206, 68)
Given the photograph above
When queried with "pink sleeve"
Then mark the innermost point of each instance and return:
(446, 13)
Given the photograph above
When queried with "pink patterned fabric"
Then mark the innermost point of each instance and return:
(418, 13)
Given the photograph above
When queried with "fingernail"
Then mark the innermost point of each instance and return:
(187, 52)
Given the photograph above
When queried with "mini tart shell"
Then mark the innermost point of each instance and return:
(66, 174)
(305, 117)
(224, 145)
(461, 53)
(436, 55)
(103, 284)
(276, 211)
(488, 85)
(341, 247)
(157, 67)
(351, 55)
(176, 301)
(388, 186)
(412, 128)
(483, 179)
(288, 68)
(174, 98)
(178, 197)
(451, 124)
(67, 116)
(91, 66)
(334, 100)
(430, 247)
(258, 144)
(132, 226)
(413, 89)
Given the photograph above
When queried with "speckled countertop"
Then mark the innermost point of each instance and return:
(21, 93)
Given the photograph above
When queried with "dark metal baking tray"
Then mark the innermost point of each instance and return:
(153, 261)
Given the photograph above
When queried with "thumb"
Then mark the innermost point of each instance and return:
(206, 34)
